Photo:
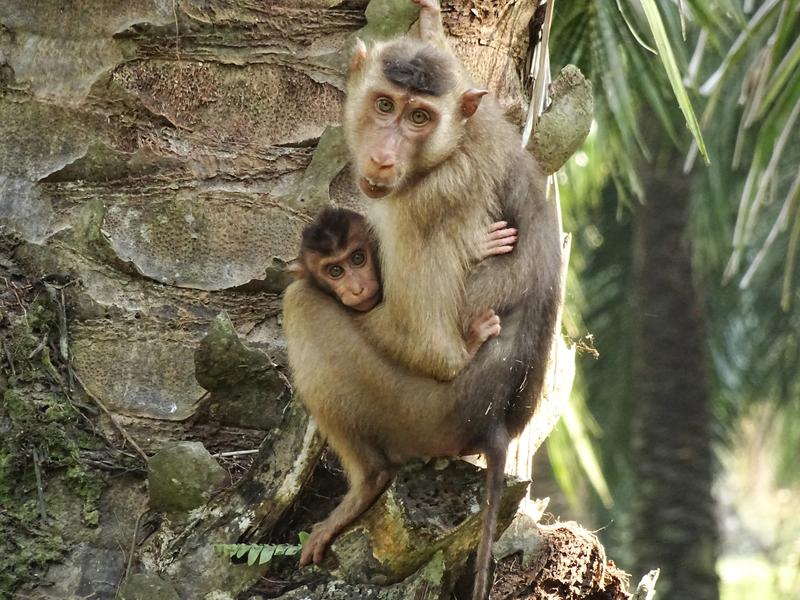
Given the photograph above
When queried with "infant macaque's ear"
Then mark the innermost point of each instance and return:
(296, 268)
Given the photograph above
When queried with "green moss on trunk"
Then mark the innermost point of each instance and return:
(42, 435)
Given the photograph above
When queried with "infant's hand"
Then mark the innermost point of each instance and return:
(500, 240)
(482, 327)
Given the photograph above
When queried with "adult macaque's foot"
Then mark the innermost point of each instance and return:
(316, 544)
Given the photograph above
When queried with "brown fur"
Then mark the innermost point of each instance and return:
(440, 403)
(335, 237)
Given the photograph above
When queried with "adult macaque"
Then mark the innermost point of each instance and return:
(340, 257)
(440, 164)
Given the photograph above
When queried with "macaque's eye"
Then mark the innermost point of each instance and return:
(335, 271)
(384, 105)
(419, 117)
(358, 258)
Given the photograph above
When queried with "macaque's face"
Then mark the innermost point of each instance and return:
(350, 274)
(405, 113)
(395, 126)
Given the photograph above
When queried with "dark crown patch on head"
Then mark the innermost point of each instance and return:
(330, 230)
(419, 69)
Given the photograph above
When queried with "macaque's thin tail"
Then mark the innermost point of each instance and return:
(495, 481)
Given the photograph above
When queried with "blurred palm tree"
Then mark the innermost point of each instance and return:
(688, 272)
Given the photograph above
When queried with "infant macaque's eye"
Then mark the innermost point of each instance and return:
(358, 258)
(335, 271)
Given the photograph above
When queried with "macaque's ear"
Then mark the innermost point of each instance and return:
(296, 268)
(359, 56)
(470, 100)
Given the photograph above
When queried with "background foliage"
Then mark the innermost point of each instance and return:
(740, 64)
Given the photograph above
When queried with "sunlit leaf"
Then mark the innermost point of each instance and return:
(586, 453)
(781, 75)
(252, 554)
(738, 51)
(791, 265)
(266, 554)
(674, 75)
(632, 29)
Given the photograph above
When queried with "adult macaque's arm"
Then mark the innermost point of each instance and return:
(420, 344)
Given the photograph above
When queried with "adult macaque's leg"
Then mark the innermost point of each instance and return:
(368, 474)
(350, 388)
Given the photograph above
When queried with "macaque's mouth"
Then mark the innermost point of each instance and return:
(373, 189)
(368, 303)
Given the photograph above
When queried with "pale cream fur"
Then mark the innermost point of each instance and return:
(429, 235)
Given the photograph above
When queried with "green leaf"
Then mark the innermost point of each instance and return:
(632, 29)
(794, 250)
(259, 553)
(781, 75)
(560, 459)
(673, 73)
(739, 50)
(252, 554)
(227, 550)
(293, 550)
(587, 457)
(266, 554)
(303, 536)
(618, 92)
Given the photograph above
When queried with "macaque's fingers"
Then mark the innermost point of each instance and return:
(501, 245)
(475, 323)
(483, 317)
(497, 225)
(502, 241)
(490, 331)
(489, 318)
(498, 251)
(491, 326)
(507, 241)
(319, 550)
(315, 546)
(503, 233)
(307, 554)
(484, 326)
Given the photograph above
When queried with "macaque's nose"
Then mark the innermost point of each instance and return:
(383, 160)
(357, 290)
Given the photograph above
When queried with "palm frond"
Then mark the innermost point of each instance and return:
(673, 72)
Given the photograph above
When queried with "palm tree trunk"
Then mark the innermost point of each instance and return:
(674, 519)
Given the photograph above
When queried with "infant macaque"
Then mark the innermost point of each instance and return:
(339, 256)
